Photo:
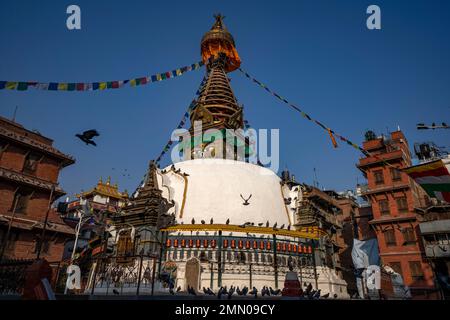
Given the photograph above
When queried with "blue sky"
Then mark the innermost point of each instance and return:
(317, 54)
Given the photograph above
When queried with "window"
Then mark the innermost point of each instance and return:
(397, 267)
(416, 270)
(443, 238)
(31, 162)
(3, 146)
(242, 258)
(125, 245)
(378, 175)
(402, 204)
(203, 256)
(229, 255)
(384, 207)
(45, 246)
(389, 237)
(20, 202)
(408, 236)
(395, 174)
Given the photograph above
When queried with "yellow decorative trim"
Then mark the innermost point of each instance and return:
(308, 233)
(285, 207)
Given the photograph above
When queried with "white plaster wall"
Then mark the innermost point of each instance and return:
(214, 189)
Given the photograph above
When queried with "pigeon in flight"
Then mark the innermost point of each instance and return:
(87, 136)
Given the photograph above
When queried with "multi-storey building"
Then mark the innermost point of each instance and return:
(393, 197)
(103, 201)
(29, 169)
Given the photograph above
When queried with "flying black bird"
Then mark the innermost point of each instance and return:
(246, 203)
(87, 136)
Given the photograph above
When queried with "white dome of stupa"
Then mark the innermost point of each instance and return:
(212, 188)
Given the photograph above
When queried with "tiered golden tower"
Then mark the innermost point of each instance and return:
(217, 107)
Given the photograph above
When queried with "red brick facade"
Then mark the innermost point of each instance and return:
(393, 197)
(29, 169)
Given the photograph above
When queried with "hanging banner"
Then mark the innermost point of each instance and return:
(330, 132)
(90, 86)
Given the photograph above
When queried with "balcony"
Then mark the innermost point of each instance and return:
(393, 155)
(364, 190)
(437, 226)
(437, 250)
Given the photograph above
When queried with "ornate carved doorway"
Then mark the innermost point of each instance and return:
(192, 273)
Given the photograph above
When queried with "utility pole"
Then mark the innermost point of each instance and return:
(44, 228)
(14, 114)
(5, 242)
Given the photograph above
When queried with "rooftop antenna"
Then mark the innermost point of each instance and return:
(14, 114)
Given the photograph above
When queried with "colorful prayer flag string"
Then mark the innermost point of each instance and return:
(331, 132)
(90, 86)
(182, 121)
(180, 125)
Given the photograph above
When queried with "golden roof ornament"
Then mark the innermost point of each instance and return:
(219, 40)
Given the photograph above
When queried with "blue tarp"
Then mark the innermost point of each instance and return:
(365, 253)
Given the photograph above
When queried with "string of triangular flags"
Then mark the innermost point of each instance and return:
(179, 126)
(90, 86)
(330, 132)
(183, 120)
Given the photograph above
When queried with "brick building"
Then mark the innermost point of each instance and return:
(29, 169)
(393, 197)
(354, 219)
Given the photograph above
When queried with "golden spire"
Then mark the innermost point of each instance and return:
(219, 40)
(216, 105)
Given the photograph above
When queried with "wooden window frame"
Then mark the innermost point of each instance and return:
(387, 241)
(388, 209)
(377, 173)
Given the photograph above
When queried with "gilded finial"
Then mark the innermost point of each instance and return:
(108, 182)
